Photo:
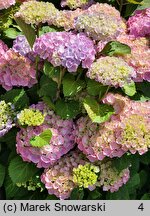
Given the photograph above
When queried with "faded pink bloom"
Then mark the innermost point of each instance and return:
(4, 4)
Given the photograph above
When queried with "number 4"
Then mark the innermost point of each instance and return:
(141, 207)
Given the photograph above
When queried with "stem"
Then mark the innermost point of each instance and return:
(121, 5)
(62, 73)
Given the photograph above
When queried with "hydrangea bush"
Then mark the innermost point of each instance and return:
(74, 99)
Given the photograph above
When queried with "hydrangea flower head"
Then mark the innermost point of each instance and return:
(138, 24)
(30, 117)
(63, 136)
(66, 49)
(85, 175)
(58, 179)
(16, 70)
(93, 22)
(73, 4)
(21, 45)
(34, 12)
(3, 48)
(6, 117)
(4, 4)
(111, 179)
(111, 71)
(139, 57)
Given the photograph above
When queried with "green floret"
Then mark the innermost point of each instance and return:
(85, 175)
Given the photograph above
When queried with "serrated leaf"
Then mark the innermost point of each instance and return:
(67, 109)
(95, 88)
(71, 86)
(51, 71)
(42, 139)
(27, 30)
(97, 112)
(47, 87)
(20, 171)
(2, 174)
(17, 97)
(116, 48)
(129, 89)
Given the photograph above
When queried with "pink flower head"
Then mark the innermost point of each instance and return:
(139, 23)
(58, 179)
(63, 136)
(16, 70)
(4, 4)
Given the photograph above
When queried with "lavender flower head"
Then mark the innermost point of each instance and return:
(66, 49)
(21, 45)
(63, 135)
(139, 23)
(6, 117)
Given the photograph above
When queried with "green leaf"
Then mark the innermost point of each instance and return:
(97, 112)
(145, 158)
(146, 196)
(122, 162)
(143, 178)
(133, 182)
(77, 194)
(95, 88)
(94, 195)
(2, 174)
(67, 109)
(11, 33)
(18, 97)
(116, 48)
(10, 188)
(135, 2)
(47, 87)
(129, 89)
(144, 87)
(27, 30)
(71, 86)
(42, 139)
(48, 101)
(46, 29)
(51, 71)
(144, 4)
(121, 194)
(20, 171)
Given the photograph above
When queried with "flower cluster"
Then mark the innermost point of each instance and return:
(6, 117)
(110, 178)
(16, 70)
(63, 135)
(21, 45)
(34, 12)
(138, 24)
(3, 48)
(30, 117)
(32, 185)
(58, 179)
(73, 4)
(93, 22)
(127, 130)
(66, 49)
(86, 176)
(4, 4)
(139, 57)
(111, 71)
